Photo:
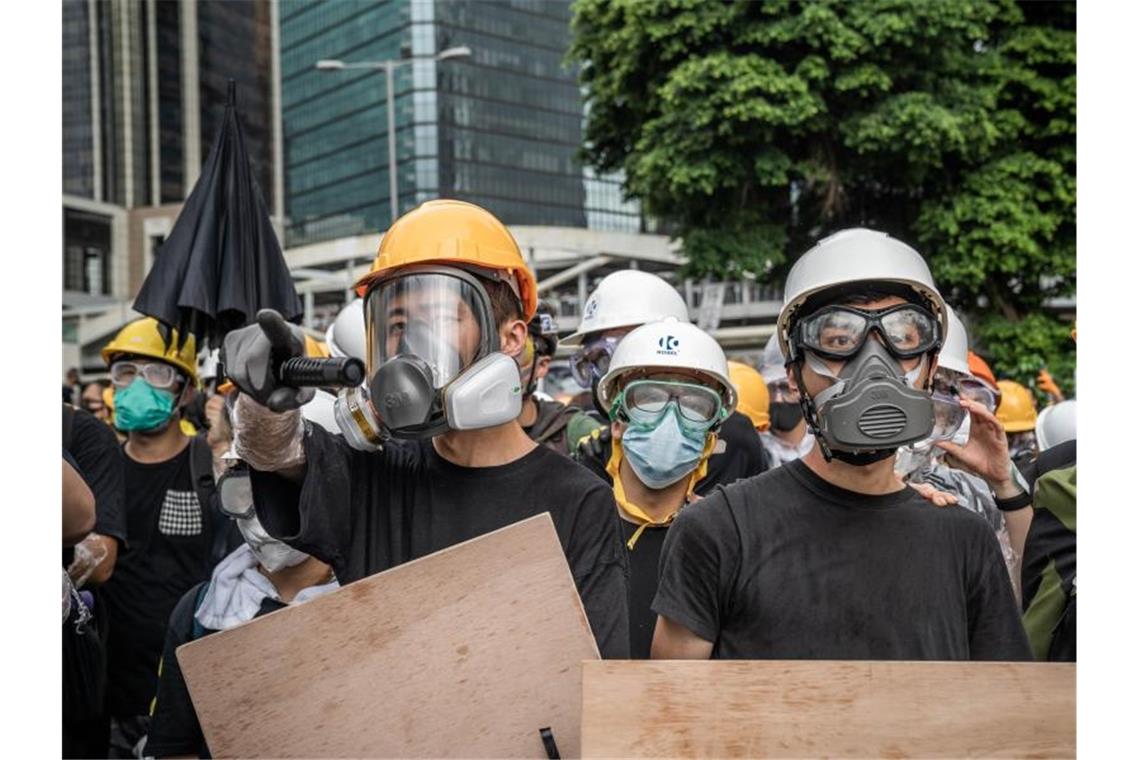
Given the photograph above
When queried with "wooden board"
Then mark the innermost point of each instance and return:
(804, 708)
(466, 652)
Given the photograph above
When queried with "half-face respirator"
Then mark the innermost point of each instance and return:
(874, 406)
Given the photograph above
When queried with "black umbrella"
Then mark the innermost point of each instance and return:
(222, 262)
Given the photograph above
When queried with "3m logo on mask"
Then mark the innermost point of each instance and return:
(591, 309)
(668, 345)
(396, 400)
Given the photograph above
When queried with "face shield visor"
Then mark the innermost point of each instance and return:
(433, 354)
(438, 315)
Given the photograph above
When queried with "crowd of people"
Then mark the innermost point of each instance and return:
(870, 490)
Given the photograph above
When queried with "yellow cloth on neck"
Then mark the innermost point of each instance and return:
(643, 520)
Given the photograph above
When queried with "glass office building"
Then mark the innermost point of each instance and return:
(501, 128)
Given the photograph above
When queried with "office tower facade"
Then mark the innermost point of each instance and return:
(500, 127)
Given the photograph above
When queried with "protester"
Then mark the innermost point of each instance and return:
(446, 304)
(174, 533)
(260, 576)
(1017, 412)
(72, 388)
(666, 393)
(751, 394)
(82, 658)
(787, 437)
(91, 400)
(925, 462)
(830, 556)
(546, 421)
(623, 301)
(78, 505)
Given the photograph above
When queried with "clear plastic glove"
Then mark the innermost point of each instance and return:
(88, 554)
(252, 354)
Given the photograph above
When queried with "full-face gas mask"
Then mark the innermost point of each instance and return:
(874, 406)
(433, 359)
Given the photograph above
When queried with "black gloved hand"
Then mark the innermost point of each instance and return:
(593, 446)
(252, 355)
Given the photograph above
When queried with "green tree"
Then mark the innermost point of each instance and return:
(752, 129)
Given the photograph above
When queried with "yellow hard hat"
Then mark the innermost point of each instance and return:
(751, 393)
(1017, 411)
(453, 232)
(142, 338)
(315, 348)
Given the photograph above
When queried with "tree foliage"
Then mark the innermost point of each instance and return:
(754, 128)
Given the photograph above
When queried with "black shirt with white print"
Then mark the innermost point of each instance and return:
(168, 551)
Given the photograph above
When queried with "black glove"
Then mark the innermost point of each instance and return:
(593, 446)
(252, 355)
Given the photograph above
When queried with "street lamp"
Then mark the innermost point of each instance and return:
(389, 66)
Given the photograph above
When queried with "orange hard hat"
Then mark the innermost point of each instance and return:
(979, 369)
(458, 233)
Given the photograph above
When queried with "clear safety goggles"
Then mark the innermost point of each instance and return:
(440, 315)
(838, 332)
(977, 390)
(235, 493)
(643, 402)
(157, 374)
(781, 392)
(592, 361)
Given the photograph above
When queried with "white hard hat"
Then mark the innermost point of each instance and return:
(345, 336)
(627, 299)
(772, 361)
(854, 256)
(319, 411)
(956, 346)
(208, 365)
(1056, 424)
(668, 344)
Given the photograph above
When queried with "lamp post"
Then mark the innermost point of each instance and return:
(389, 66)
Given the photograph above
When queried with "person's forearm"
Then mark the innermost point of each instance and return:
(78, 506)
(268, 441)
(1018, 522)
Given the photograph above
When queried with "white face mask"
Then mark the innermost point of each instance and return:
(271, 553)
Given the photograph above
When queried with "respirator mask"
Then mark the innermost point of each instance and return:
(874, 406)
(433, 358)
(235, 496)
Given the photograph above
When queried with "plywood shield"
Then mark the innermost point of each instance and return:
(466, 652)
(837, 709)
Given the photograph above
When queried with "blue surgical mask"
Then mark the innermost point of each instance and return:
(666, 452)
(141, 407)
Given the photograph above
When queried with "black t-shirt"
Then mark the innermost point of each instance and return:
(366, 512)
(168, 552)
(643, 561)
(789, 566)
(174, 727)
(99, 460)
(743, 455)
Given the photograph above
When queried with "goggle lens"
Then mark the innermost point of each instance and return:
(156, 374)
(839, 331)
(644, 401)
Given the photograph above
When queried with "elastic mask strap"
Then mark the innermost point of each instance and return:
(807, 406)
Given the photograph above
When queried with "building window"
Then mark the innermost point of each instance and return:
(86, 252)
